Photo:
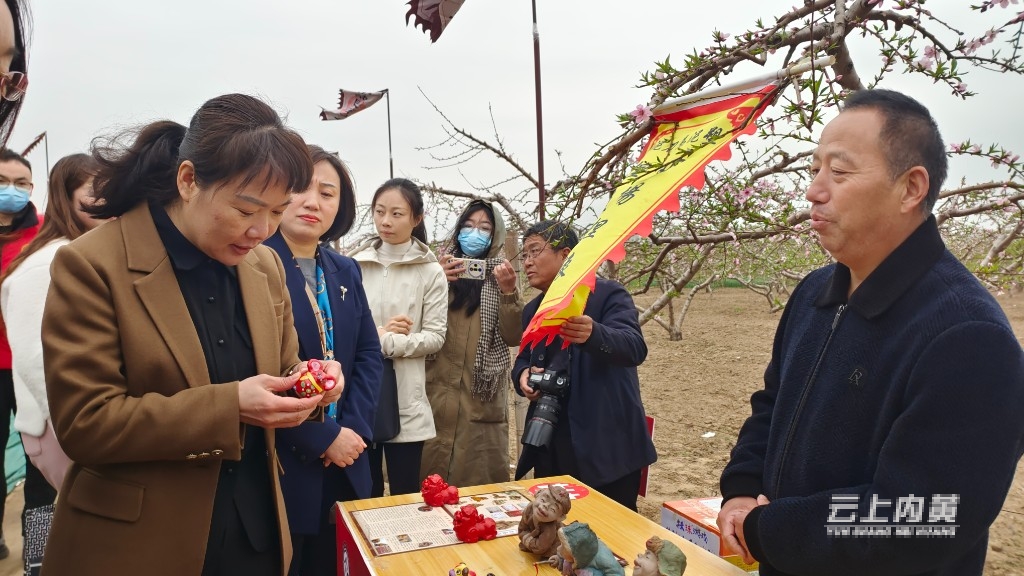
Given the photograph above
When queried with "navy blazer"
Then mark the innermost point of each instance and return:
(606, 415)
(357, 348)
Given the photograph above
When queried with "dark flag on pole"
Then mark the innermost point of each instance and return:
(33, 144)
(433, 15)
(351, 102)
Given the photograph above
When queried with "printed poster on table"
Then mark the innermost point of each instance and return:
(409, 527)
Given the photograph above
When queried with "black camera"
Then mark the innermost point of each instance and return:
(553, 386)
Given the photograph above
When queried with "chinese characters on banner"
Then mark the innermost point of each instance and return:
(679, 147)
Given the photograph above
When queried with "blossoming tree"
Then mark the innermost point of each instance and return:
(749, 223)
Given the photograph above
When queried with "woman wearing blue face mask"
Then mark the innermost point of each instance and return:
(467, 382)
(19, 224)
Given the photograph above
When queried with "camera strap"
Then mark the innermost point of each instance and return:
(553, 357)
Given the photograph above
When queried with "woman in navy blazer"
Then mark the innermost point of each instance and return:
(323, 461)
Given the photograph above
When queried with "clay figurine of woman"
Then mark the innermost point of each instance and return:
(538, 528)
(580, 553)
(662, 558)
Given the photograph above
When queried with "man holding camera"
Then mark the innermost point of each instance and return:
(585, 417)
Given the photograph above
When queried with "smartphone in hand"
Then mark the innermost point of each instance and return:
(473, 269)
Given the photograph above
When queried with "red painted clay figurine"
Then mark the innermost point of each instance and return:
(314, 381)
(471, 526)
(437, 492)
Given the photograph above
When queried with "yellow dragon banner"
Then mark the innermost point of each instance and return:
(681, 143)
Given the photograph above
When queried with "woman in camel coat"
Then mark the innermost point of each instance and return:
(165, 337)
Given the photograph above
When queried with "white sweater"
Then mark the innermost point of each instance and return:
(22, 297)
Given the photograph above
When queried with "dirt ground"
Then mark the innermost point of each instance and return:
(700, 385)
(703, 383)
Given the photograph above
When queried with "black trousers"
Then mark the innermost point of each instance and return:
(403, 459)
(7, 410)
(244, 535)
(559, 458)
(231, 552)
(317, 554)
(38, 491)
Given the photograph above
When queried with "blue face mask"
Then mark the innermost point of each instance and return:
(474, 242)
(13, 199)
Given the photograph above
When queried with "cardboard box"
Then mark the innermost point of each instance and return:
(695, 520)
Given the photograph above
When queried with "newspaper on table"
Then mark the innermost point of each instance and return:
(408, 527)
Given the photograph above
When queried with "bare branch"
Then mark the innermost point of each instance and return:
(678, 284)
(495, 198)
(498, 151)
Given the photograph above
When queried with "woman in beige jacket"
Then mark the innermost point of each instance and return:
(468, 382)
(408, 295)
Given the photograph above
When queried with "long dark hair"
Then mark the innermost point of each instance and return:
(9, 110)
(465, 292)
(413, 196)
(231, 137)
(60, 221)
(347, 195)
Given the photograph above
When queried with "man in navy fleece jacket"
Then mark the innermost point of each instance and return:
(894, 400)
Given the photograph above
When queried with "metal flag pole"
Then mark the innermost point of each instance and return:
(46, 148)
(391, 160)
(540, 123)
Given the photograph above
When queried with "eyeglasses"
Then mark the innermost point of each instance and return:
(21, 183)
(531, 254)
(13, 85)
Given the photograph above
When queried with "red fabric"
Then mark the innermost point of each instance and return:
(7, 253)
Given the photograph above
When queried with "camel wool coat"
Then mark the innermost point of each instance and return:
(132, 403)
(471, 446)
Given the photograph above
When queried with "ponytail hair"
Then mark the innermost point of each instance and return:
(230, 138)
(145, 170)
(420, 231)
(413, 196)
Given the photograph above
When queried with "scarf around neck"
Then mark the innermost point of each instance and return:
(493, 361)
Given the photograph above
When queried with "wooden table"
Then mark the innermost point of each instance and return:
(623, 530)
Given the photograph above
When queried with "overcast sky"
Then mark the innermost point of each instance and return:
(101, 66)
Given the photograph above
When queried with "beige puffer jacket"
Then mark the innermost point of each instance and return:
(415, 286)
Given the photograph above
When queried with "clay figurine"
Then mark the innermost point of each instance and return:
(314, 381)
(437, 492)
(662, 558)
(461, 570)
(538, 527)
(471, 526)
(580, 553)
